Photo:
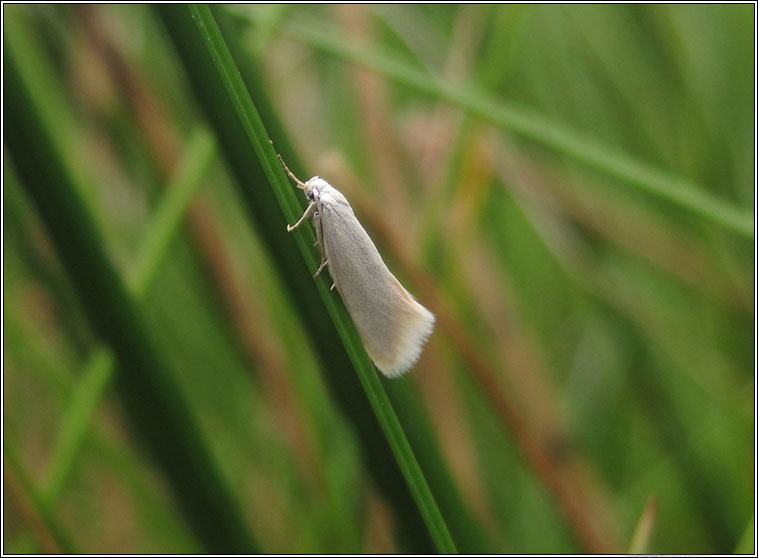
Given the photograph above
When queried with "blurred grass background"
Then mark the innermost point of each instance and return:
(569, 189)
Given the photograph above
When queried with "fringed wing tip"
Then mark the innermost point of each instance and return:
(410, 344)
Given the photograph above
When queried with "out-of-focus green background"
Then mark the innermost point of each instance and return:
(524, 170)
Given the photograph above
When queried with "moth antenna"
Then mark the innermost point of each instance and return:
(300, 184)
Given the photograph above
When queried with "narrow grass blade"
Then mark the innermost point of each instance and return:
(49, 533)
(158, 514)
(255, 136)
(530, 125)
(468, 535)
(166, 223)
(747, 541)
(77, 418)
(153, 403)
(640, 543)
(98, 371)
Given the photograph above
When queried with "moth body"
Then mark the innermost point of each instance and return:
(392, 324)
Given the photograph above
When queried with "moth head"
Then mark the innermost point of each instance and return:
(314, 186)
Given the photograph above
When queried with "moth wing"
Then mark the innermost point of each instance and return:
(391, 323)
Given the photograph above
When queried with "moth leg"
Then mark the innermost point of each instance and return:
(320, 268)
(332, 287)
(320, 241)
(308, 213)
(319, 233)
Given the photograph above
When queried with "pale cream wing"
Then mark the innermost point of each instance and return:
(391, 323)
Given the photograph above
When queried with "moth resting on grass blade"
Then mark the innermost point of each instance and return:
(392, 325)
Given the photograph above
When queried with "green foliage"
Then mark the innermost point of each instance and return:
(570, 189)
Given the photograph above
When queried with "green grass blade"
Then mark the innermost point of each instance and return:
(468, 533)
(127, 465)
(77, 418)
(52, 536)
(747, 540)
(165, 224)
(640, 543)
(98, 370)
(527, 124)
(264, 211)
(256, 136)
(155, 407)
(404, 395)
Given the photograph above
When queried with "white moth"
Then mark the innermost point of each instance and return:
(392, 325)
